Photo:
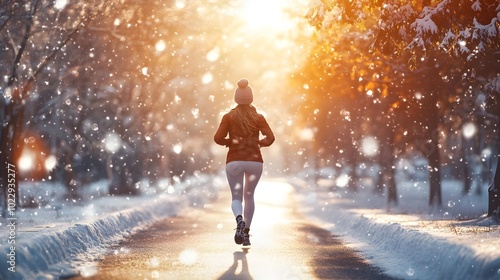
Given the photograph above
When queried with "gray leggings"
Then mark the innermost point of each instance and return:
(243, 177)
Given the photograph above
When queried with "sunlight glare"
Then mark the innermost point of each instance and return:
(50, 162)
(188, 257)
(177, 148)
(273, 200)
(60, 4)
(213, 55)
(273, 193)
(89, 270)
(307, 134)
(160, 46)
(369, 146)
(342, 181)
(267, 15)
(179, 4)
(469, 130)
(112, 142)
(27, 161)
(207, 78)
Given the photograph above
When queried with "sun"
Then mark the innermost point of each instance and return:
(266, 15)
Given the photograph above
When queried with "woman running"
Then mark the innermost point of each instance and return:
(244, 160)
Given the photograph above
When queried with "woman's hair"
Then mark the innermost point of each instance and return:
(245, 116)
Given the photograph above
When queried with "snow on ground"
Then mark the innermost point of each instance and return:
(66, 236)
(408, 241)
(412, 241)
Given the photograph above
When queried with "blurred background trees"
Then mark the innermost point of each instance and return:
(111, 89)
(422, 79)
(131, 92)
(128, 91)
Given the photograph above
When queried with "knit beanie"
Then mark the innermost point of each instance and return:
(243, 94)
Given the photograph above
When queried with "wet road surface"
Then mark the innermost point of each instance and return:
(199, 245)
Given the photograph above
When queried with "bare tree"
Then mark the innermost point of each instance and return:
(35, 32)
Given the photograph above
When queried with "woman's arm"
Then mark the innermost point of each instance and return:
(266, 131)
(222, 131)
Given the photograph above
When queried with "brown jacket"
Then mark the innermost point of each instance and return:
(243, 147)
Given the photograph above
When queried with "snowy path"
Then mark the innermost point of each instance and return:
(407, 242)
(199, 244)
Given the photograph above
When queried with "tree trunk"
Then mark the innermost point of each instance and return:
(388, 173)
(430, 148)
(355, 179)
(392, 193)
(10, 152)
(431, 144)
(435, 198)
(466, 166)
(494, 194)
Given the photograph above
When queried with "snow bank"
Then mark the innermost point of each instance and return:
(411, 254)
(402, 251)
(35, 256)
(46, 255)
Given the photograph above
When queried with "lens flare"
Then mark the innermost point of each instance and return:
(27, 161)
(188, 257)
(369, 146)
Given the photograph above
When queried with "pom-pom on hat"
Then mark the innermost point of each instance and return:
(243, 94)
